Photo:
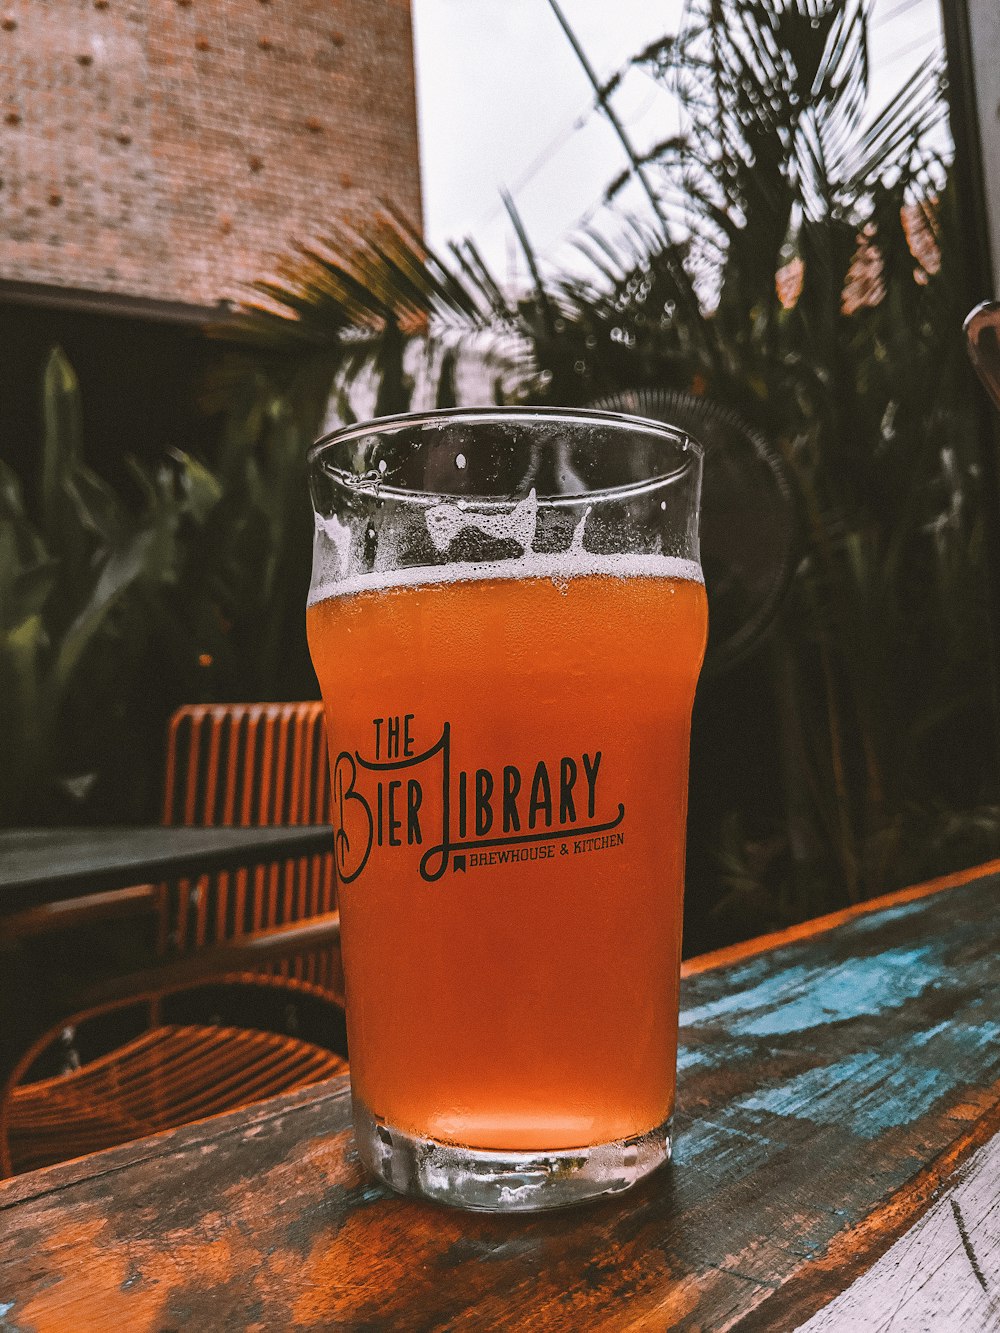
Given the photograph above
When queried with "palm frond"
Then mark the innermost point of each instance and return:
(897, 132)
(349, 282)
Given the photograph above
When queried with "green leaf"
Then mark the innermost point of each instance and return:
(61, 417)
(121, 570)
(22, 649)
(202, 489)
(11, 499)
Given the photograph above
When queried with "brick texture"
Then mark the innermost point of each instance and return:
(168, 149)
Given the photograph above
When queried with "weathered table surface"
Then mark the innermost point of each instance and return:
(836, 1168)
(39, 865)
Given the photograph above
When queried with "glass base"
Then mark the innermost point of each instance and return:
(505, 1182)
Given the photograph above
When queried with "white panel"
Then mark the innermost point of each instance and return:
(984, 23)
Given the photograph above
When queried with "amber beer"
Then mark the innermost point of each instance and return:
(509, 752)
(528, 998)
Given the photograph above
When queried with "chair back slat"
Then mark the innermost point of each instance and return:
(250, 765)
(263, 813)
(194, 771)
(246, 758)
(215, 734)
(296, 797)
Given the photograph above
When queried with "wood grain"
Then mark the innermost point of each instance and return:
(945, 1272)
(828, 1089)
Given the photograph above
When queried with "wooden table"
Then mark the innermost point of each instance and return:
(43, 865)
(836, 1169)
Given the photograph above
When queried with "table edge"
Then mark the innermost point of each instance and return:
(238, 845)
(819, 925)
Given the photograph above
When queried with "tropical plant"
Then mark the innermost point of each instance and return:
(824, 244)
(114, 609)
(805, 269)
(62, 580)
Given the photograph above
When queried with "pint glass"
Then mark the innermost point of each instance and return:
(507, 619)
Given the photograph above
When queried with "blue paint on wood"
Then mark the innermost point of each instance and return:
(872, 922)
(799, 998)
(692, 1057)
(865, 1094)
(729, 1150)
(874, 1091)
(718, 1055)
(968, 1052)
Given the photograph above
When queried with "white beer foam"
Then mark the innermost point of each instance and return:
(558, 568)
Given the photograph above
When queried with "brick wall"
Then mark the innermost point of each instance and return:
(167, 149)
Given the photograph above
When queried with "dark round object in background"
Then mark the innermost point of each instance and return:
(748, 517)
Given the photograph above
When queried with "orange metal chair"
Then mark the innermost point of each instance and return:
(244, 765)
(148, 1063)
(262, 942)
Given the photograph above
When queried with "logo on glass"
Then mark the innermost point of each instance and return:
(399, 796)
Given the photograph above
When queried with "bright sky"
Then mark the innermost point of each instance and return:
(500, 91)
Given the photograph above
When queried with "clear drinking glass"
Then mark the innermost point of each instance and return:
(507, 618)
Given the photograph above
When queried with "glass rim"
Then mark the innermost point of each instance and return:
(691, 451)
